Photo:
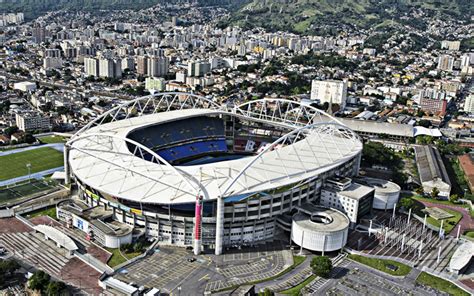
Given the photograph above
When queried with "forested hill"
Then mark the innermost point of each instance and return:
(309, 16)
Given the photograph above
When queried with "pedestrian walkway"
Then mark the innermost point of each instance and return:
(29, 247)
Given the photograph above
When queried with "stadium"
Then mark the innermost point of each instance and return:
(192, 173)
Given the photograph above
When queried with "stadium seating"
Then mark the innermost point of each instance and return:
(169, 134)
(194, 149)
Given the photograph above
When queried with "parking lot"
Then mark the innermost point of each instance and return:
(165, 269)
(169, 268)
(361, 280)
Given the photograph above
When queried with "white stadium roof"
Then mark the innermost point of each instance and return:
(101, 158)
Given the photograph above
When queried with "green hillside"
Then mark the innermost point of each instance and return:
(318, 16)
(35, 8)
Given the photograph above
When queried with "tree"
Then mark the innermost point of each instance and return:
(39, 281)
(454, 198)
(321, 266)
(434, 192)
(11, 130)
(55, 288)
(407, 202)
(266, 292)
(7, 268)
(419, 190)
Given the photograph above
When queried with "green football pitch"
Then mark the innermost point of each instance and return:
(14, 165)
(15, 192)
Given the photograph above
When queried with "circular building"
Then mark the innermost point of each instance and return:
(386, 193)
(324, 230)
(191, 172)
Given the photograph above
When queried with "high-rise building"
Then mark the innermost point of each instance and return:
(198, 69)
(128, 63)
(52, 53)
(40, 34)
(158, 66)
(331, 91)
(469, 104)
(110, 68)
(445, 63)
(91, 67)
(142, 65)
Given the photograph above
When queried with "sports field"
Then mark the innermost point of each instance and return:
(12, 193)
(14, 165)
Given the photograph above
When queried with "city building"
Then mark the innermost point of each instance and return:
(157, 66)
(252, 176)
(30, 121)
(469, 104)
(96, 223)
(142, 65)
(353, 199)
(330, 91)
(91, 67)
(450, 45)
(198, 68)
(153, 83)
(432, 171)
(110, 68)
(434, 106)
(446, 62)
(25, 86)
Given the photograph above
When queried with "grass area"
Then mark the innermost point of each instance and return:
(117, 258)
(297, 260)
(383, 265)
(296, 290)
(14, 165)
(469, 233)
(52, 139)
(448, 224)
(51, 211)
(440, 284)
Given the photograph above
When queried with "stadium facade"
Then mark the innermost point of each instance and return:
(193, 173)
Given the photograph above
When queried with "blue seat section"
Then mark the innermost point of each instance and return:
(193, 149)
(169, 134)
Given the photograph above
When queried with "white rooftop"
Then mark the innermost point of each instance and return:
(100, 157)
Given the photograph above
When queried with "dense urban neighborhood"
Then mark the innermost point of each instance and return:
(236, 147)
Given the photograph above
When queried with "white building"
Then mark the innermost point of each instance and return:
(445, 63)
(334, 91)
(25, 86)
(450, 45)
(110, 68)
(91, 67)
(32, 121)
(353, 199)
(52, 63)
(158, 66)
(198, 68)
(469, 104)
